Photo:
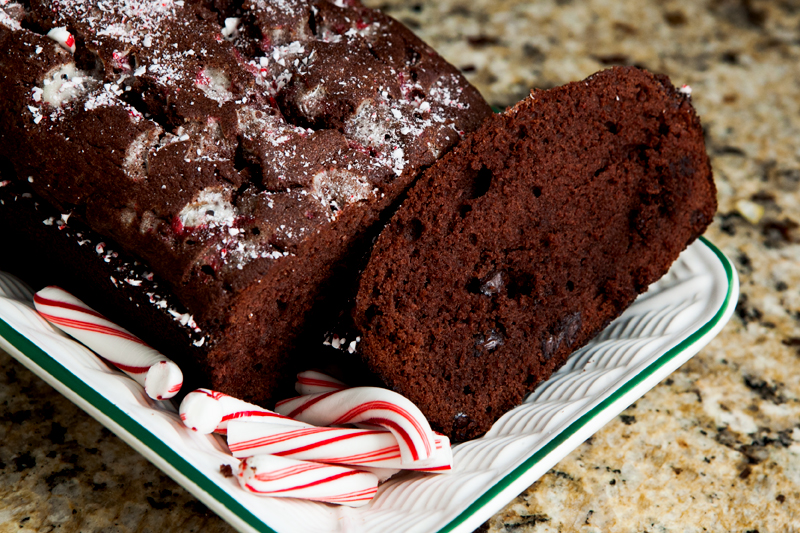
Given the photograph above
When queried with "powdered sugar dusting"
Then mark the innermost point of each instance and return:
(338, 188)
(275, 8)
(263, 122)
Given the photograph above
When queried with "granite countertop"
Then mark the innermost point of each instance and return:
(714, 447)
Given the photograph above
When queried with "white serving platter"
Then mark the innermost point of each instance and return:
(664, 327)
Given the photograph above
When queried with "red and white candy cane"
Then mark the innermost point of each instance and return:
(442, 459)
(313, 382)
(349, 446)
(207, 411)
(367, 405)
(381, 473)
(269, 475)
(160, 377)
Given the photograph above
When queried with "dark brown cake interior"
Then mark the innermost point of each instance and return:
(520, 245)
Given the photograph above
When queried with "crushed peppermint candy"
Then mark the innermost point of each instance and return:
(63, 37)
(231, 29)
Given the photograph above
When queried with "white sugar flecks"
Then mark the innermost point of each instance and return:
(36, 113)
(337, 188)
(446, 91)
(108, 96)
(284, 8)
(399, 161)
(185, 319)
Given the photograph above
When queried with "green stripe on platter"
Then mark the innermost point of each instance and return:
(559, 439)
(91, 396)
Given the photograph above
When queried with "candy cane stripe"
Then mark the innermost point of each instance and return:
(160, 377)
(41, 300)
(313, 382)
(281, 437)
(399, 431)
(134, 369)
(320, 481)
(366, 459)
(207, 411)
(321, 443)
(252, 414)
(292, 451)
(350, 446)
(303, 407)
(367, 405)
(94, 328)
(289, 471)
(269, 475)
(320, 383)
(353, 413)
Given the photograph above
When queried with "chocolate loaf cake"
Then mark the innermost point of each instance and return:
(522, 243)
(239, 153)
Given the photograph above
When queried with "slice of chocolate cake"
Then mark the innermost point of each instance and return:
(521, 244)
(241, 151)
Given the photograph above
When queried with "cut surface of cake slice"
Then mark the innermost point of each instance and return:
(521, 244)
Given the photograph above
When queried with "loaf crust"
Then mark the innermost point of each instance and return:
(241, 150)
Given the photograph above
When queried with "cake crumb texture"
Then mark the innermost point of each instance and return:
(519, 246)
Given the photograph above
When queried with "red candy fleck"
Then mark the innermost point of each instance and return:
(177, 225)
(120, 61)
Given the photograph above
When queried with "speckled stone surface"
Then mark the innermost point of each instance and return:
(715, 447)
